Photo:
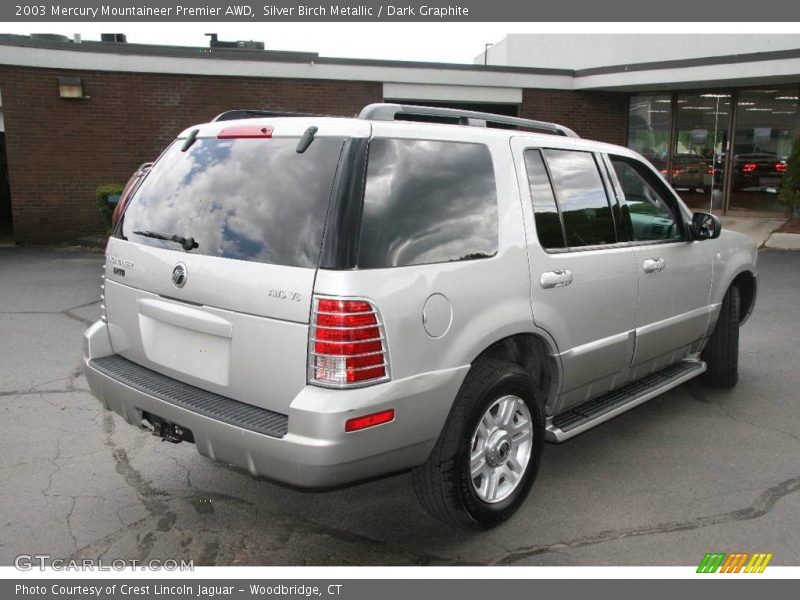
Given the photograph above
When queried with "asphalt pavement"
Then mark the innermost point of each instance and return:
(693, 471)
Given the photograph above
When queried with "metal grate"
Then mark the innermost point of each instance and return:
(572, 418)
(193, 398)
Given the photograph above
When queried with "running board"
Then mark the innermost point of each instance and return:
(583, 417)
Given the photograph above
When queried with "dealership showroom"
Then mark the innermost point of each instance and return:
(716, 114)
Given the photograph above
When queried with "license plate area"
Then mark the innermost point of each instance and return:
(769, 182)
(194, 353)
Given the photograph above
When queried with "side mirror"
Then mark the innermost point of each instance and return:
(705, 226)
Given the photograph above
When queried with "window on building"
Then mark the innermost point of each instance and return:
(427, 202)
(649, 120)
(710, 165)
(581, 197)
(766, 125)
(701, 136)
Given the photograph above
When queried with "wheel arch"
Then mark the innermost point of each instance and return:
(535, 354)
(747, 284)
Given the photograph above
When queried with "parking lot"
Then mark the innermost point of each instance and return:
(693, 471)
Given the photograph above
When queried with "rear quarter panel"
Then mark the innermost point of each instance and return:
(489, 297)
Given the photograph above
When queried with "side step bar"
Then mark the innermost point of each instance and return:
(583, 417)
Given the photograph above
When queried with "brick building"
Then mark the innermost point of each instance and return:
(79, 115)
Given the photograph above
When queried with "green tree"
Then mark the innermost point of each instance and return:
(102, 195)
(789, 193)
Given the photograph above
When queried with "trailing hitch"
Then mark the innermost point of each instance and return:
(168, 432)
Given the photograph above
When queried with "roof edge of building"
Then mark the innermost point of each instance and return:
(312, 58)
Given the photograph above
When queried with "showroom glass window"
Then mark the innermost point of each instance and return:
(766, 125)
(649, 122)
(701, 137)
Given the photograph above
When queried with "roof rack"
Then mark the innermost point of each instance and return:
(248, 113)
(389, 112)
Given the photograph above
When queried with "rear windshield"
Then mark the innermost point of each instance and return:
(247, 199)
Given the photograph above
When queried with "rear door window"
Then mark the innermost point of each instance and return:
(427, 202)
(247, 199)
(548, 220)
(581, 197)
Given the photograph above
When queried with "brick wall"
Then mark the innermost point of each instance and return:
(60, 150)
(601, 116)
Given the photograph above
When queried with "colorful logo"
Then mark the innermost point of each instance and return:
(737, 562)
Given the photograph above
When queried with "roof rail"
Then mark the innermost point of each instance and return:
(250, 113)
(389, 112)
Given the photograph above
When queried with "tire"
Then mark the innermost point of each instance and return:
(444, 484)
(721, 355)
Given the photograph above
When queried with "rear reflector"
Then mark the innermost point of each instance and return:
(247, 131)
(347, 346)
(379, 418)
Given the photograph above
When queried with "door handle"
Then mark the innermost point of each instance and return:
(654, 265)
(556, 279)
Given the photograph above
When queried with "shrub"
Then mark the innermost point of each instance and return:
(789, 193)
(103, 193)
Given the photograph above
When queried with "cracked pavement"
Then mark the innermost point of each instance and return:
(692, 471)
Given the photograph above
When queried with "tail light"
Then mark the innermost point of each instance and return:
(710, 171)
(127, 192)
(749, 167)
(120, 207)
(780, 167)
(347, 343)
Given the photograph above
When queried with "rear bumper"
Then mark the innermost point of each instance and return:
(315, 452)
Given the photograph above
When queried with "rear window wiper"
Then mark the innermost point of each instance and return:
(186, 243)
(306, 140)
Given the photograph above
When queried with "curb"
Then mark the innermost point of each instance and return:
(783, 241)
(96, 243)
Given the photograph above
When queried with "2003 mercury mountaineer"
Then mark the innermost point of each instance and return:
(323, 300)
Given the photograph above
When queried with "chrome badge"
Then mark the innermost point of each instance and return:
(179, 275)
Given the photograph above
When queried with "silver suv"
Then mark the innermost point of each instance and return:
(323, 300)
